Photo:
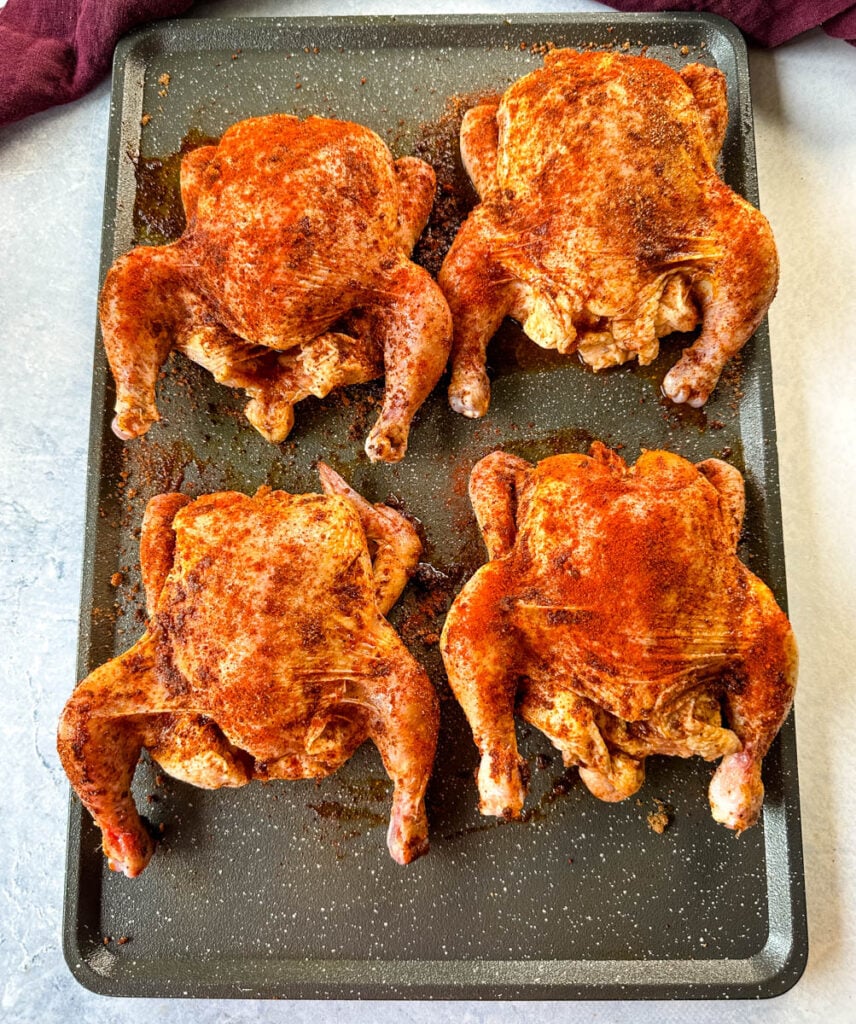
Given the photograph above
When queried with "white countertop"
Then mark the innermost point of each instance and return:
(51, 187)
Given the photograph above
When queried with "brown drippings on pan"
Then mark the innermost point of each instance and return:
(373, 787)
(147, 467)
(158, 466)
(333, 810)
(732, 378)
(557, 442)
(540, 811)
(438, 143)
(470, 830)
(561, 788)
(363, 401)
(158, 213)
(343, 820)
(512, 351)
(426, 603)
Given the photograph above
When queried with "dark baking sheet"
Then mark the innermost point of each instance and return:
(286, 890)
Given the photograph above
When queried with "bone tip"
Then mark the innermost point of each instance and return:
(673, 392)
(382, 449)
(464, 404)
(406, 852)
(123, 433)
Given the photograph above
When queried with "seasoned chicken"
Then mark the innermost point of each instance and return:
(267, 656)
(603, 224)
(292, 278)
(615, 616)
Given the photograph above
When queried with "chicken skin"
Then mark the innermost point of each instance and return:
(291, 279)
(267, 656)
(615, 616)
(603, 225)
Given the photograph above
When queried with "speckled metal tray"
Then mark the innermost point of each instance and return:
(287, 890)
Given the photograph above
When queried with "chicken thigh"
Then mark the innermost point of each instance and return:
(615, 616)
(603, 224)
(267, 656)
(291, 278)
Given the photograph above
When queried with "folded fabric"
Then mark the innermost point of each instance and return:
(768, 22)
(53, 51)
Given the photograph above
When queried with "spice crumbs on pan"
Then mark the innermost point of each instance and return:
(659, 820)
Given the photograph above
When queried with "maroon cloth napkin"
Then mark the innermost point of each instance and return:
(768, 22)
(53, 51)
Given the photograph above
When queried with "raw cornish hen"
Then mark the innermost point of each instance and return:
(267, 656)
(292, 278)
(615, 613)
(603, 224)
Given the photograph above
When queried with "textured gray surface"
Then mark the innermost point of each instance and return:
(51, 179)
